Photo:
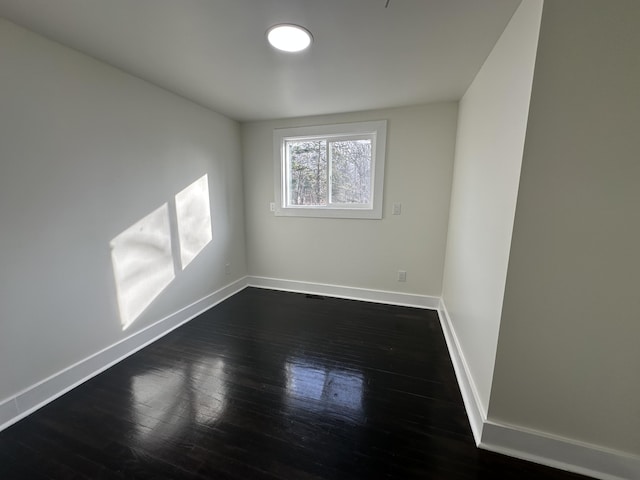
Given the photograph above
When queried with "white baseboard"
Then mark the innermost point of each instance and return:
(8, 411)
(565, 454)
(47, 390)
(539, 447)
(351, 293)
(472, 404)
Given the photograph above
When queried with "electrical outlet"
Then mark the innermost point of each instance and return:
(227, 269)
(402, 276)
(397, 208)
(272, 206)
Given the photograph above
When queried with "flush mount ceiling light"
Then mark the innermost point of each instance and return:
(289, 38)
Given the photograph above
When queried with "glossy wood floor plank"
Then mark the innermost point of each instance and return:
(268, 385)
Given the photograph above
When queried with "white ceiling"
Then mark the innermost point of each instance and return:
(214, 52)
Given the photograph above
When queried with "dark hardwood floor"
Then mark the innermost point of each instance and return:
(269, 385)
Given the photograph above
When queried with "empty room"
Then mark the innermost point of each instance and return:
(302, 239)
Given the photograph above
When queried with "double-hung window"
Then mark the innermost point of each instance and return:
(330, 170)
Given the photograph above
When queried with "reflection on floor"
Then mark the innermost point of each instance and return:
(325, 391)
(169, 400)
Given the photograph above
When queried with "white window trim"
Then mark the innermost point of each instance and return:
(376, 128)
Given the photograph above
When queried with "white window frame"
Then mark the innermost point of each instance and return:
(375, 130)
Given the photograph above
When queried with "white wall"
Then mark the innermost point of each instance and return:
(85, 152)
(490, 139)
(360, 253)
(568, 359)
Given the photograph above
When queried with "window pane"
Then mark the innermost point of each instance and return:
(332, 171)
(307, 172)
(351, 172)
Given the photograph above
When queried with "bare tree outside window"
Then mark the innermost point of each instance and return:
(332, 171)
(349, 164)
(351, 171)
(308, 172)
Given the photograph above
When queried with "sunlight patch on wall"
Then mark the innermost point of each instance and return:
(142, 263)
(143, 256)
(193, 219)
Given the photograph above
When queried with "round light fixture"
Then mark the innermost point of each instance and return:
(289, 38)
